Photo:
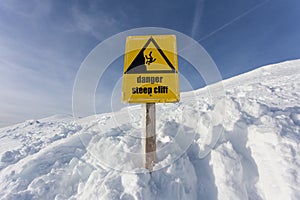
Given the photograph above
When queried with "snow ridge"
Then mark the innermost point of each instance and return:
(253, 153)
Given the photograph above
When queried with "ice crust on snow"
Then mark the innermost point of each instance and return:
(244, 145)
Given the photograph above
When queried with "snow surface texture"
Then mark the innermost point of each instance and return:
(251, 153)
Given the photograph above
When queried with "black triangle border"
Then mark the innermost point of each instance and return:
(173, 70)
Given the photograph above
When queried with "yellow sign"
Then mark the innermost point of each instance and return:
(150, 69)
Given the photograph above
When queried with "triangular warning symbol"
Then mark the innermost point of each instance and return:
(145, 59)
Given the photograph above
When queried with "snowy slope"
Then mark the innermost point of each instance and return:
(251, 153)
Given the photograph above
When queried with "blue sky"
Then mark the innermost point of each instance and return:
(43, 43)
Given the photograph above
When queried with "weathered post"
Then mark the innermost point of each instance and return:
(150, 136)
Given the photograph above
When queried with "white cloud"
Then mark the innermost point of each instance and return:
(198, 15)
(28, 9)
(38, 62)
(99, 24)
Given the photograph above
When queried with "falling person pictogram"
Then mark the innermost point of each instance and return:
(150, 59)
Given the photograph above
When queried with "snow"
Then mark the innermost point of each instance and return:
(244, 145)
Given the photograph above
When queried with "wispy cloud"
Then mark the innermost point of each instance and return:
(198, 13)
(95, 20)
(28, 9)
(42, 47)
(35, 79)
(27, 93)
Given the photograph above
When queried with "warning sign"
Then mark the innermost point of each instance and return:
(150, 69)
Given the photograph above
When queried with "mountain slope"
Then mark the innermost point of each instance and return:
(244, 145)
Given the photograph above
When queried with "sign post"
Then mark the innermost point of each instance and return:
(150, 76)
(150, 139)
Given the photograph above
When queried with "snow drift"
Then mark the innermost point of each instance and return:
(251, 152)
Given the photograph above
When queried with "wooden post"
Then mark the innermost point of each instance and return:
(150, 137)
